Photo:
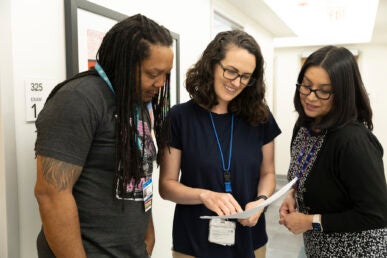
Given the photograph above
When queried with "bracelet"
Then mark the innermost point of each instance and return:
(259, 197)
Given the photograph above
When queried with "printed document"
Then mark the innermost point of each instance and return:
(246, 214)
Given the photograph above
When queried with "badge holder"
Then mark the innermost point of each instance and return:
(147, 193)
(222, 232)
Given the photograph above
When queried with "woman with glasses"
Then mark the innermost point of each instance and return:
(339, 202)
(222, 142)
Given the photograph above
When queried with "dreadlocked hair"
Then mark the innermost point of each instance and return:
(121, 53)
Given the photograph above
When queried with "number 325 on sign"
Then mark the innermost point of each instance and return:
(37, 91)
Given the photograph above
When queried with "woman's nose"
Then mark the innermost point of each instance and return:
(312, 96)
(237, 82)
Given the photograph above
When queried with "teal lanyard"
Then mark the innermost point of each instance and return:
(104, 77)
(304, 166)
(226, 171)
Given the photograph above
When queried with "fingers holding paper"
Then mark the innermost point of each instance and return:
(220, 203)
(253, 219)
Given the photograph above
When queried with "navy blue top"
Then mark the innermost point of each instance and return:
(201, 167)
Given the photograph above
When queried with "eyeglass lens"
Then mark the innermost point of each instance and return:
(307, 90)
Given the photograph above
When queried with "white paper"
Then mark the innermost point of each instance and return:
(250, 212)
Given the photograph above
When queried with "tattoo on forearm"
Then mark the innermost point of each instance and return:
(60, 174)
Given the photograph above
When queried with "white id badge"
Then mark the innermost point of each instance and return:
(147, 192)
(222, 232)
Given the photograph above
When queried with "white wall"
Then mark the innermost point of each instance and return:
(38, 47)
(286, 67)
(9, 213)
(33, 46)
(372, 64)
(261, 35)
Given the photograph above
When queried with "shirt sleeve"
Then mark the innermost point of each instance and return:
(271, 130)
(65, 127)
(361, 172)
(174, 124)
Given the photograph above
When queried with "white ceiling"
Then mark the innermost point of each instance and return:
(380, 30)
(325, 22)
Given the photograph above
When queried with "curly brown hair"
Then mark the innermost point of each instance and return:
(250, 104)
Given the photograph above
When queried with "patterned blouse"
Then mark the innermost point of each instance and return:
(368, 243)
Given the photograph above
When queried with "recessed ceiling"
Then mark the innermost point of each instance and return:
(318, 22)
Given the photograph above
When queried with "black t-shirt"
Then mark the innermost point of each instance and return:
(201, 167)
(78, 126)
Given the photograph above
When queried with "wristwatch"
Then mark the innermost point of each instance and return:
(316, 223)
(264, 197)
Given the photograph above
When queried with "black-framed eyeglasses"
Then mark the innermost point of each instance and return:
(307, 90)
(230, 74)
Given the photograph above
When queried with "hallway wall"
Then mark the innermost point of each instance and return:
(9, 212)
(372, 64)
(33, 46)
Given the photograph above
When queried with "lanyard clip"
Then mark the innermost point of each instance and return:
(227, 176)
(227, 181)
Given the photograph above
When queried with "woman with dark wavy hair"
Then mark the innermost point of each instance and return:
(95, 151)
(222, 141)
(339, 202)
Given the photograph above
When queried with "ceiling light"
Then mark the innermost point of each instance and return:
(319, 22)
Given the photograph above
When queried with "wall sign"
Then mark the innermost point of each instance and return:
(37, 91)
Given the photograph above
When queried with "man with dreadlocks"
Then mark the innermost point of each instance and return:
(95, 151)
